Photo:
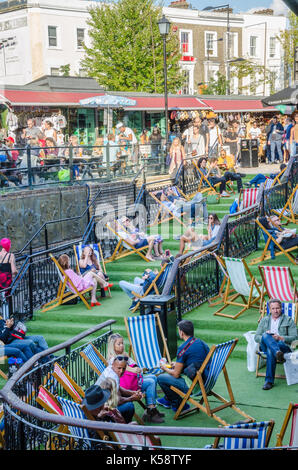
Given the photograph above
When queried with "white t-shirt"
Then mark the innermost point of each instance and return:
(129, 132)
(108, 373)
(274, 325)
(214, 134)
(254, 132)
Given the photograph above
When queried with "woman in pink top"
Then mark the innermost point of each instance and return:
(80, 282)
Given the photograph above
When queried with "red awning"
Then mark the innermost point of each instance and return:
(48, 98)
(225, 106)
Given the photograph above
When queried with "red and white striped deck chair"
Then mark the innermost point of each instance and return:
(292, 412)
(247, 197)
(73, 389)
(135, 441)
(278, 283)
(48, 401)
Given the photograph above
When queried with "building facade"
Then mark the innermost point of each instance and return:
(45, 37)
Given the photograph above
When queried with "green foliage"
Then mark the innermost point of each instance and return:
(126, 51)
(259, 75)
(289, 40)
(65, 70)
(217, 86)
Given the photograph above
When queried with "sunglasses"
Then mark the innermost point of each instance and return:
(121, 358)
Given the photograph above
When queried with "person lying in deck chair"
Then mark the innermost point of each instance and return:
(137, 241)
(134, 231)
(188, 206)
(287, 238)
(179, 206)
(197, 241)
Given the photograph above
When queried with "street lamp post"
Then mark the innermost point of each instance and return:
(164, 29)
(228, 40)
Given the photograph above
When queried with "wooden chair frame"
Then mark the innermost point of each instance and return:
(229, 297)
(65, 293)
(282, 432)
(121, 252)
(152, 286)
(164, 214)
(204, 184)
(291, 217)
(204, 404)
(266, 255)
(2, 374)
(76, 397)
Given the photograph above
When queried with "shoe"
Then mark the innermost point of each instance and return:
(151, 415)
(248, 185)
(185, 408)
(280, 357)
(134, 303)
(267, 386)
(95, 304)
(164, 402)
(108, 286)
(224, 194)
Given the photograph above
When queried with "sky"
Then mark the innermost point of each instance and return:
(240, 6)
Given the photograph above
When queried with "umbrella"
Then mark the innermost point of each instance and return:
(107, 101)
(287, 96)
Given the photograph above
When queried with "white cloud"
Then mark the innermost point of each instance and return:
(279, 7)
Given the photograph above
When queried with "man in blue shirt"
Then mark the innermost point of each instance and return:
(192, 351)
(275, 139)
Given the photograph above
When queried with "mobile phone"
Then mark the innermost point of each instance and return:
(271, 334)
(167, 252)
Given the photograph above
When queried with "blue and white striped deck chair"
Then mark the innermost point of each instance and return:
(78, 250)
(264, 429)
(74, 410)
(201, 387)
(289, 309)
(142, 334)
(94, 358)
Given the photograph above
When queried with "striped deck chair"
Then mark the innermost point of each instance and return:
(292, 413)
(143, 339)
(74, 410)
(135, 441)
(66, 290)
(247, 198)
(2, 441)
(249, 291)
(289, 309)
(264, 429)
(278, 283)
(73, 389)
(290, 210)
(157, 284)
(49, 402)
(123, 247)
(204, 184)
(164, 213)
(94, 358)
(96, 247)
(200, 390)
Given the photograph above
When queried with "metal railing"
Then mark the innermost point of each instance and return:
(28, 427)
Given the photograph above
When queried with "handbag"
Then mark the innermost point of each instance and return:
(131, 380)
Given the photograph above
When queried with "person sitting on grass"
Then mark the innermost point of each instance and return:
(81, 283)
(148, 381)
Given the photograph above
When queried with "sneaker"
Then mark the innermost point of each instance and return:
(164, 402)
(224, 194)
(134, 303)
(185, 408)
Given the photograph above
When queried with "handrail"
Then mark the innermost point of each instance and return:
(9, 397)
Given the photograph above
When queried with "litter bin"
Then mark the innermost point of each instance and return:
(245, 157)
(165, 306)
(254, 152)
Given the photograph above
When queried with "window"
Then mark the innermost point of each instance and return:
(55, 71)
(253, 46)
(210, 44)
(186, 80)
(272, 47)
(80, 38)
(82, 73)
(52, 36)
(186, 42)
(231, 45)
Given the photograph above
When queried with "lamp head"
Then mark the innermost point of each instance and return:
(164, 26)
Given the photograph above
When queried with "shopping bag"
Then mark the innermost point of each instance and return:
(291, 367)
(251, 350)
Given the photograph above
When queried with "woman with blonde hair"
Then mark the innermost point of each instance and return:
(110, 412)
(149, 382)
(177, 156)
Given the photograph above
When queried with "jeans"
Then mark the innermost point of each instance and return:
(31, 345)
(216, 179)
(257, 180)
(294, 149)
(26, 347)
(12, 352)
(276, 144)
(270, 346)
(128, 287)
(127, 410)
(149, 387)
(234, 177)
(165, 381)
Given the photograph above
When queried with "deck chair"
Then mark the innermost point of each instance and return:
(217, 299)
(2, 374)
(94, 358)
(49, 402)
(200, 390)
(237, 271)
(134, 441)
(157, 284)
(66, 290)
(2, 441)
(98, 253)
(247, 198)
(278, 283)
(290, 210)
(143, 339)
(164, 213)
(204, 184)
(264, 429)
(289, 309)
(272, 247)
(71, 387)
(123, 247)
(292, 413)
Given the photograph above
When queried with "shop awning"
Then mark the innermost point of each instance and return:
(234, 105)
(43, 98)
(157, 103)
(288, 96)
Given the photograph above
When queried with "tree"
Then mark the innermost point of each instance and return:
(216, 86)
(64, 70)
(258, 74)
(289, 40)
(126, 51)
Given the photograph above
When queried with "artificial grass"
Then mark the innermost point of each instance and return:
(64, 322)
